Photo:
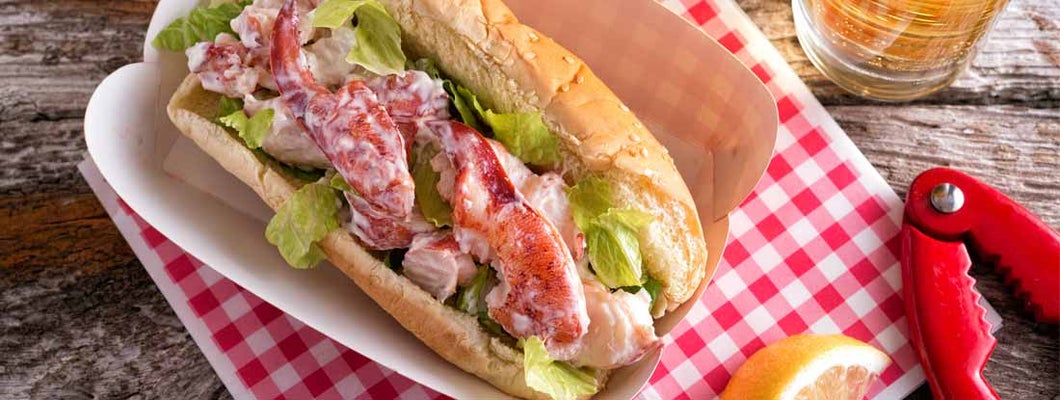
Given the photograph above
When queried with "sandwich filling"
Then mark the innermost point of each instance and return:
(469, 204)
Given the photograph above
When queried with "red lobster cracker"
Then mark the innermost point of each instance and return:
(944, 210)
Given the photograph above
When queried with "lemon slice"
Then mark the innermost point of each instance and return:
(808, 367)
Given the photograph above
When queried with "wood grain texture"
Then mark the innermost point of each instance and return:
(52, 55)
(80, 318)
(1013, 148)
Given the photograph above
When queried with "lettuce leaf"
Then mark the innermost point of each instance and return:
(378, 45)
(491, 326)
(202, 25)
(472, 298)
(613, 247)
(589, 199)
(558, 380)
(335, 13)
(337, 182)
(525, 136)
(611, 234)
(252, 130)
(466, 105)
(307, 216)
(426, 65)
(468, 109)
(228, 106)
(654, 287)
(432, 205)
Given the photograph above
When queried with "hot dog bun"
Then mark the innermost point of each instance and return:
(511, 67)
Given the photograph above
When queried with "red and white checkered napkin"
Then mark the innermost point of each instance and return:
(813, 249)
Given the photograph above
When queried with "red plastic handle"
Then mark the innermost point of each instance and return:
(998, 230)
(946, 324)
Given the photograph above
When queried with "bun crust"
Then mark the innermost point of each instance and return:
(511, 67)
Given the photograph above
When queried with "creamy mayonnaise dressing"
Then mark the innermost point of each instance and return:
(621, 329)
(254, 26)
(327, 57)
(412, 99)
(435, 263)
(222, 66)
(286, 140)
(379, 231)
(446, 176)
(266, 10)
(473, 241)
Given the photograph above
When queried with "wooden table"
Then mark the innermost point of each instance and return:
(79, 317)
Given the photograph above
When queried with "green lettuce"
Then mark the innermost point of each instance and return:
(304, 219)
(589, 199)
(491, 326)
(378, 45)
(202, 25)
(335, 13)
(611, 234)
(466, 104)
(654, 287)
(337, 182)
(306, 175)
(558, 380)
(613, 247)
(432, 205)
(228, 106)
(252, 130)
(472, 300)
(426, 65)
(525, 136)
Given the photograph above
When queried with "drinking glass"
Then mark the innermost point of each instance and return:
(893, 50)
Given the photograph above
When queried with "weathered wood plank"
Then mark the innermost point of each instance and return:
(79, 317)
(52, 55)
(1019, 63)
(1015, 149)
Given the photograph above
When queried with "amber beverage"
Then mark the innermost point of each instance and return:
(893, 50)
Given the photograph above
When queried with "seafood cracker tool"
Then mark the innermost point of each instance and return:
(944, 211)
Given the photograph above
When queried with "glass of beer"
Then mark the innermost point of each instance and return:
(893, 50)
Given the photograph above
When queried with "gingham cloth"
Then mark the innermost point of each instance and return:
(813, 249)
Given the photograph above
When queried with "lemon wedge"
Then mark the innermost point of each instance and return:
(808, 367)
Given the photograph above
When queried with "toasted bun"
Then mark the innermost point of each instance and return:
(512, 68)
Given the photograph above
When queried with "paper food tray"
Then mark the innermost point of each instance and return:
(716, 118)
